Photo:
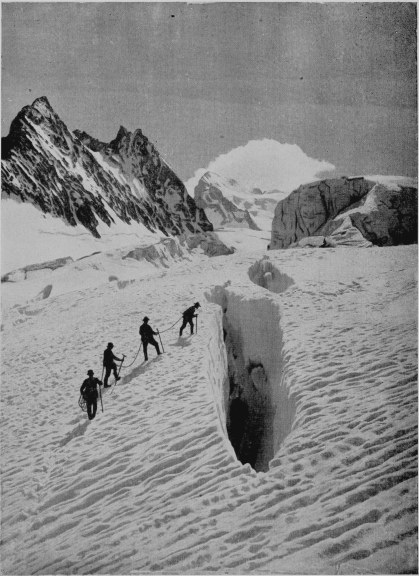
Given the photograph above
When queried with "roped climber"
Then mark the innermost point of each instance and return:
(147, 337)
(188, 317)
(89, 391)
(109, 364)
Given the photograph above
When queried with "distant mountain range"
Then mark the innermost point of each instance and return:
(229, 204)
(211, 195)
(84, 182)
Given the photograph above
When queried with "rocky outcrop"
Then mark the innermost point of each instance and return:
(35, 269)
(84, 182)
(209, 243)
(210, 196)
(346, 211)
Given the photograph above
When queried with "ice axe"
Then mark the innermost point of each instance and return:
(160, 341)
(100, 389)
(119, 369)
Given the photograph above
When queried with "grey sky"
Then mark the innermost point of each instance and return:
(339, 80)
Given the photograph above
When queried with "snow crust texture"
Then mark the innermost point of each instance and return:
(346, 211)
(85, 182)
(153, 484)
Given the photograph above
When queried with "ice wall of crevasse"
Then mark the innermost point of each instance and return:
(258, 408)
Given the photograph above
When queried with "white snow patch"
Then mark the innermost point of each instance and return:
(30, 236)
(394, 181)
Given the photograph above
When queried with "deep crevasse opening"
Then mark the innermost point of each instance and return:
(253, 403)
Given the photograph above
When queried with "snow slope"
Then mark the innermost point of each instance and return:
(29, 236)
(153, 485)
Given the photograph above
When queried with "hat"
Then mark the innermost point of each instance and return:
(197, 305)
(90, 372)
(146, 318)
(110, 345)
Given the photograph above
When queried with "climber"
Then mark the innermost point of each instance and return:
(147, 333)
(109, 364)
(188, 317)
(90, 393)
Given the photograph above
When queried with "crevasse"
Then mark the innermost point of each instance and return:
(252, 400)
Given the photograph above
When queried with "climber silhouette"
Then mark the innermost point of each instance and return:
(89, 392)
(188, 317)
(147, 337)
(109, 364)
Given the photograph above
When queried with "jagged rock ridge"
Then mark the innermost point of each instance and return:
(347, 211)
(220, 211)
(84, 181)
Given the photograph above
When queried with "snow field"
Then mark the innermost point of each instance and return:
(153, 484)
(45, 237)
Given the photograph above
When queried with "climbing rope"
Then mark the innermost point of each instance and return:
(167, 329)
(135, 357)
(82, 402)
(159, 332)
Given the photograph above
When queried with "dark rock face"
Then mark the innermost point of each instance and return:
(84, 181)
(209, 242)
(393, 221)
(346, 211)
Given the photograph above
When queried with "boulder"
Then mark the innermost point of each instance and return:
(346, 211)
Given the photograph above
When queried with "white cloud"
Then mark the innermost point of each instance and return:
(265, 164)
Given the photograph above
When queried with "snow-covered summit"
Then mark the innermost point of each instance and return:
(127, 181)
(212, 195)
(264, 164)
(228, 203)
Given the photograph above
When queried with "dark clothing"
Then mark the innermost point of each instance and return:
(108, 370)
(146, 343)
(146, 332)
(189, 313)
(188, 317)
(109, 363)
(89, 387)
(109, 358)
(147, 337)
(89, 392)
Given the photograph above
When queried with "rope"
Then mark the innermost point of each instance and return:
(135, 357)
(167, 329)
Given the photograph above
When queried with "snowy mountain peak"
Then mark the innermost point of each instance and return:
(89, 183)
(43, 106)
(215, 195)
